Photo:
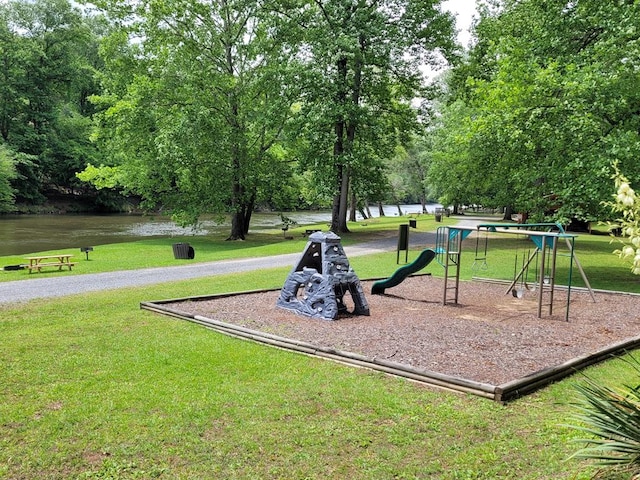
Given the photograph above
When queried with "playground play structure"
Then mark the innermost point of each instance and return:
(316, 285)
(546, 239)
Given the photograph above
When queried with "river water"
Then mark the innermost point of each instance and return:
(22, 234)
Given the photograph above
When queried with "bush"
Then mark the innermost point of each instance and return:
(627, 205)
(611, 417)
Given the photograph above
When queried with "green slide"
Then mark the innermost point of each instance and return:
(403, 272)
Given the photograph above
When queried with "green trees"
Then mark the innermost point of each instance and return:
(551, 99)
(196, 128)
(45, 79)
(225, 94)
(364, 60)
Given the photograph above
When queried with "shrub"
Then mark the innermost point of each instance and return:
(627, 205)
(611, 418)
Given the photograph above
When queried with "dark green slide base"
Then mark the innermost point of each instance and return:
(424, 259)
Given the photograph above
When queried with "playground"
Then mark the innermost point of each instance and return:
(488, 337)
(482, 337)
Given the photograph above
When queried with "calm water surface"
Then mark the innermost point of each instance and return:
(22, 234)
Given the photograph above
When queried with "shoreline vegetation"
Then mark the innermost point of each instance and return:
(93, 387)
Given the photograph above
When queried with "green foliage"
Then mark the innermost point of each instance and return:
(627, 205)
(102, 177)
(551, 99)
(7, 173)
(196, 129)
(48, 57)
(360, 73)
(611, 418)
(453, 175)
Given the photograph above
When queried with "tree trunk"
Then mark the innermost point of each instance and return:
(353, 207)
(335, 213)
(339, 207)
(380, 209)
(399, 209)
(345, 132)
(368, 210)
(340, 198)
(237, 226)
(248, 211)
(339, 223)
(508, 213)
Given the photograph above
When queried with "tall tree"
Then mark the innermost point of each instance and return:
(365, 59)
(552, 87)
(195, 128)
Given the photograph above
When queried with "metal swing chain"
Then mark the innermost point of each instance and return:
(484, 266)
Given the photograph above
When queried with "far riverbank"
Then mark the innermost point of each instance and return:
(22, 234)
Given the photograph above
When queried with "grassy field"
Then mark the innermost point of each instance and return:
(92, 387)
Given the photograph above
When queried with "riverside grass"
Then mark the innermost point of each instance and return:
(157, 252)
(604, 270)
(93, 387)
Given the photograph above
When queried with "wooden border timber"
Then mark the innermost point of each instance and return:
(501, 393)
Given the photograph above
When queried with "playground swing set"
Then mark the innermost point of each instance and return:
(546, 239)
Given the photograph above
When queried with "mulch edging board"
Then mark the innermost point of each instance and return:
(498, 391)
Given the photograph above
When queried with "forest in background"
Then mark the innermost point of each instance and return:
(224, 107)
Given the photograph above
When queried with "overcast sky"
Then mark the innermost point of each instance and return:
(464, 11)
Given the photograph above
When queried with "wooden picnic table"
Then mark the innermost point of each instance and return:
(56, 260)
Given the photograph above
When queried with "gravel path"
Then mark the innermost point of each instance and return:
(25, 290)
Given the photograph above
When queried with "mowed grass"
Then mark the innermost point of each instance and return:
(93, 387)
(158, 252)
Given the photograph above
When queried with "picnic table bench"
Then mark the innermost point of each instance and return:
(56, 260)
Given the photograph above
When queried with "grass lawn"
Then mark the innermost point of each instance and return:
(158, 252)
(92, 387)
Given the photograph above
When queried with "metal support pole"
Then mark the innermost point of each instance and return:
(570, 244)
(552, 280)
(447, 245)
(458, 256)
(543, 252)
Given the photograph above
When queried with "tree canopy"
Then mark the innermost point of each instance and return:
(545, 102)
(208, 106)
(48, 53)
(364, 62)
(196, 96)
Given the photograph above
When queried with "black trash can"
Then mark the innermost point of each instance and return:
(183, 251)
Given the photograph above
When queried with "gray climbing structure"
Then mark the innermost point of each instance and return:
(317, 284)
